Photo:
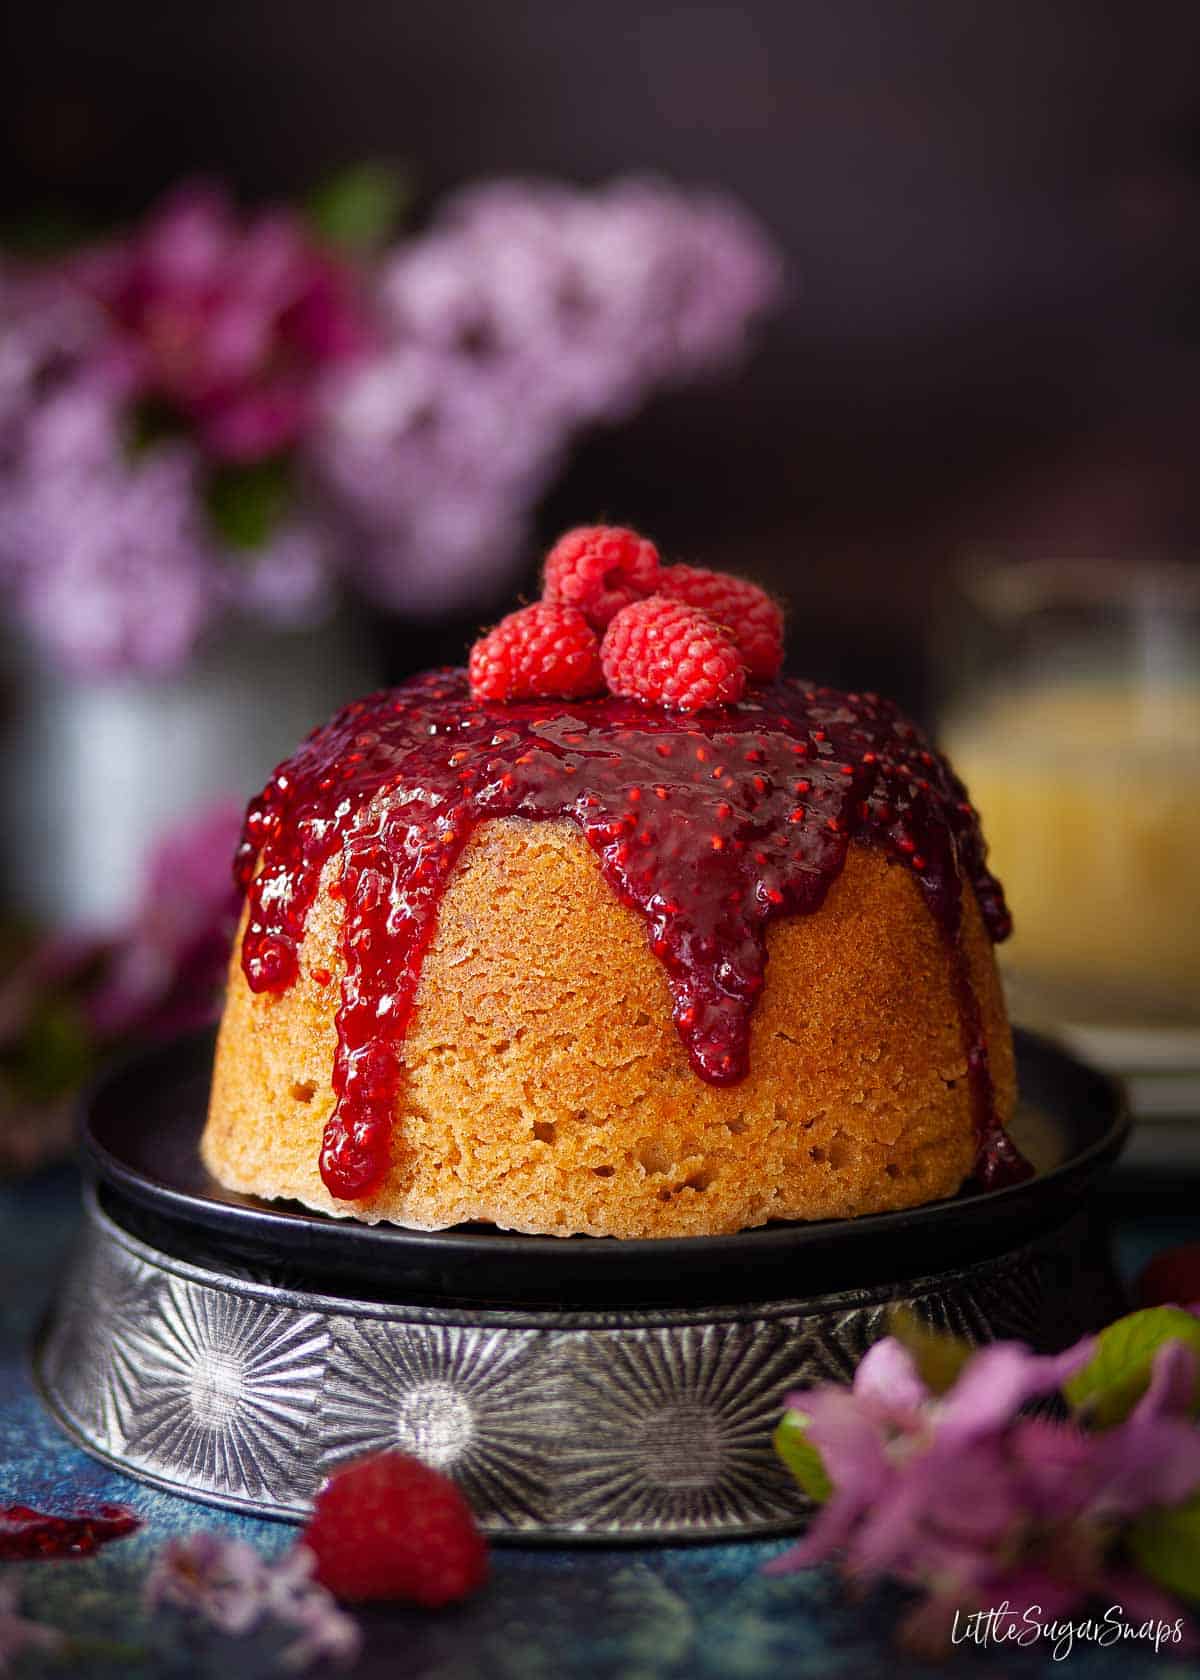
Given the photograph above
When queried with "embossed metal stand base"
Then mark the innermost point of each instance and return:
(577, 1389)
(601, 1426)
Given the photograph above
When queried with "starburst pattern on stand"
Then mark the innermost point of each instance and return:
(91, 1359)
(675, 1429)
(466, 1400)
(832, 1352)
(637, 1425)
(226, 1389)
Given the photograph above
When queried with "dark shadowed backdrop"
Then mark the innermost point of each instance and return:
(990, 214)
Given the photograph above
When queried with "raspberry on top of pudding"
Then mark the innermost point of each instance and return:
(720, 803)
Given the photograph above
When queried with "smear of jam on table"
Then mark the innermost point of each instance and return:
(710, 826)
(25, 1533)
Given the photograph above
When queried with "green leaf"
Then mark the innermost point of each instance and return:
(801, 1457)
(246, 503)
(938, 1356)
(55, 1053)
(1118, 1373)
(1165, 1544)
(360, 209)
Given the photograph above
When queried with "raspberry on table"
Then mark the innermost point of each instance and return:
(600, 569)
(390, 1527)
(753, 619)
(1172, 1278)
(670, 654)
(542, 652)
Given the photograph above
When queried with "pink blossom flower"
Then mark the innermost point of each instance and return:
(220, 1580)
(975, 1501)
(1153, 1458)
(229, 323)
(294, 1598)
(229, 1585)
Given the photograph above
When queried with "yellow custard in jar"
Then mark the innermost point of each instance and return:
(1090, 792)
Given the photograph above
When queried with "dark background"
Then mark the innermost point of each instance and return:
(990, 214)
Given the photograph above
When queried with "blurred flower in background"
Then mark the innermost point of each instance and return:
(219, 419)
(222, 414)
(68, 1000)
(105, 554)
(227, 325)
(526, 314)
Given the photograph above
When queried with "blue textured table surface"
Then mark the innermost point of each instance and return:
(680, 1612)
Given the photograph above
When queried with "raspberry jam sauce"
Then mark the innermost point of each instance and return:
(25, 1533)
(710, 827)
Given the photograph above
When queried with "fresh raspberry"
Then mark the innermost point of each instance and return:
(390, 1527)
(753, 619)
(542, 652)
(671, 655)
(600, 569)
(1172, 1278)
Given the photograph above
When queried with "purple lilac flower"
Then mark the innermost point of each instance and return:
(108, 556)
(287, 582)
(585, 300)
(229, 1585)
(420, 441)
(105, 554)
(436, 470)
(664, 282)
(47, 330)
(232, 324)
(526, 313)
(974, 1502)
(18, 1634)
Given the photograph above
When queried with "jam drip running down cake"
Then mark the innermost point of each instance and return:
(811, 887)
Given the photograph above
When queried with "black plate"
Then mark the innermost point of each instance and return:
(141, 1132)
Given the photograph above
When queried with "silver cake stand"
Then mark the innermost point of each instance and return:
(235, 1352)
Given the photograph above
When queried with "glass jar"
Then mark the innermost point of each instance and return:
(1073, 715)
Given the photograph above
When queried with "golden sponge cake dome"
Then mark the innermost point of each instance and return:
(596, 965)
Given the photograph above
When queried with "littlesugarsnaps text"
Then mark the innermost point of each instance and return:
(1004, 1624)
